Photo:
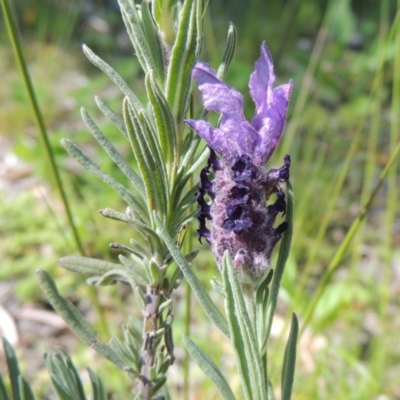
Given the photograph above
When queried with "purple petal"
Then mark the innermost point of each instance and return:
(271, 106)
(235, 135)
(271, 123)
(262, 79)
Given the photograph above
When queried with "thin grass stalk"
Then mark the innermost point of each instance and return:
(380, 349)
(372, 143)
(393, 192)
(19, 57)
(20, 60)
(339, 255)
(338, 187)
(304, 90)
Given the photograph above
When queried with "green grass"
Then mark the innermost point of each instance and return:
(342, 129)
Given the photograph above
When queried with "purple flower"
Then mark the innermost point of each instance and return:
(242, 222)
(235, 135)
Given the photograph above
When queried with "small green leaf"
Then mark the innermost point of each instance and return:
(13, 369)
(164, 120)
(74, 319)
(114, 76)
(94, 169)
(149, 168)
(183, 56)
(289, 362)
(134, 27)
(133, 269)
(202, 296)
(3, 391)
(64, 376)
(229, 52)
(25, 389)
(163, 12)
(153, 42)
(145, 229)
(86, 265)
(111, 115)
(159, 384)
(97, 385)
(114, 154)
(207, 365)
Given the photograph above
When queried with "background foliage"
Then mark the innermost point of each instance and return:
(344, 58)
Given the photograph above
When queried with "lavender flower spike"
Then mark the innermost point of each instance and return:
(235, 135)
(242, 222)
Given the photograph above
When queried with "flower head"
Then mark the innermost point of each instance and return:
(242, 222)
(235, 135)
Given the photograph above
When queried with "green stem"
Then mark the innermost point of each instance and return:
(347, 241)
(248, 295)
(15, 41)
(13, 34)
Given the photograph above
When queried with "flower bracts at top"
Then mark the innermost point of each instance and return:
(242, 223)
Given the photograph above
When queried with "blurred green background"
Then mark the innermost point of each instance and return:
(343, 124)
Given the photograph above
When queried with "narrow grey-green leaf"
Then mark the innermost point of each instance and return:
(70, 314)
(95, 170)
(111, 115)
(132, 268)
(183, 57)
(97, 385)
(60, 389)
(164, 120)
(153, 42)
(113, 75)
(159, 384)
(282, 258)
(74, 319)
(201, 295)
(289, 363)
(242, 335)
(155, 161)
(163, 12)
(134, 27)
(200, 161)
(271, 394)
(13, 369)
(75, 378)
(87, 265)
(3, 391)
(229, 52)
(25, 389)
(149, 169)
(114, 154)
(62, 378)
(110, 213)
(207, 365)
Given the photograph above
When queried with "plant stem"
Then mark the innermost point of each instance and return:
(149, 339)
(248, 295)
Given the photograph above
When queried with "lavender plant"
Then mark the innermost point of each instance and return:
(167, 39)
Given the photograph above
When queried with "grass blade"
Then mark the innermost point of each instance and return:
(289, 362)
